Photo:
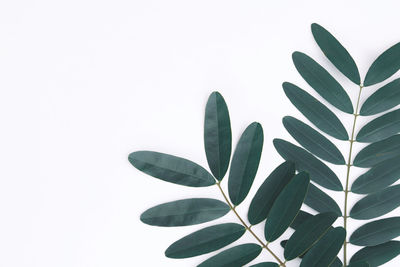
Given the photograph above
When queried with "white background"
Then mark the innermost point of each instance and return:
(84, 83)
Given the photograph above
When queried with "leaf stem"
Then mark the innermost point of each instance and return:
(346, 191)
(248, 228)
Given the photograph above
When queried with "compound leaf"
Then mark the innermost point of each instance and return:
(320, 201)
(376, 232)
(336, 53)
(269, 191)
(377, 255)
(313, 141)
(376, 204)
(235, 256)
(286, 206)
(387, 64)
(217, 135)
(205, 240)
(322, 82)
(171, 168)
(315, 111)
(319, 172)
(245, 163)
(185, 212)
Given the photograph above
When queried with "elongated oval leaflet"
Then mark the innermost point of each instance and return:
(383, 99)
(313, 141)
(269, 191)
(235, 256)
(286, 206)
(307, 234)
(320, 201)
(387, 64)
(319, 172)
(376, 232)
(205, 240)
(322, 82)
(315, 111)
(377, 255)
(358, 264)
(185, 212)
(324, 252)
(378, 177)
(380, 128)
(217, 135)
(301, 217)
(265, 264)
(171, 169)
(378, 152)
(336, 53)
(376, 204)
(245, 163)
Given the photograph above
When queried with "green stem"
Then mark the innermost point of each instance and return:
(248, 228)
(346, 191)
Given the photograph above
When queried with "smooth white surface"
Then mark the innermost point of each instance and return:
(84, 83)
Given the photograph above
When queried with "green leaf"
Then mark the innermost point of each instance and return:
(319, 172)
(171, 169)
(383, 99)
(185, 212)
(337, 263)
(377, 204)
(324, 252)
(315, 111)
(245, 163)
(358, 264)
(378, 152)
(235, 256)
(217, 135)
(313, 141)
(269, 191)
(301, 217)
(387, 64)
(377, 255)
(205, 240)
(322, 82)
(378, 177)
(265, 264)
(376, 232)
(307, 234)
(320, 201)
(286, 206)
(336, 53)
(380, 128)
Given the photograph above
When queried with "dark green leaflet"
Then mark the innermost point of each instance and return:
(387, 64)
(358, 264)
(376, 232)
(383, 99)
(301, 217)
(322, 82)
(324, 252)
(319, 172)
(217, 135)
(307, 234)
(245, 162)
(380, 128)
(269, 191)
(336, 53)
(234, 257)
(265, 264)
(377, 255)
(286, 206)
(377, 204)
(205, 240)
(283, 244)
(185, 212)
(378, 152)
(378, 177)
(313, 141)
(320, 201)
(315, 111)
(171, 169)
(337, 263)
